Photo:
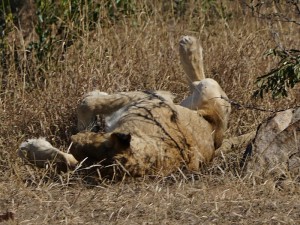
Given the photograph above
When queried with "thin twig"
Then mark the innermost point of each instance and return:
(252, 107)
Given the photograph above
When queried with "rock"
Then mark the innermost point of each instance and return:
(276, 146)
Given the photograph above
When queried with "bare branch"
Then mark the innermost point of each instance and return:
(277, 15)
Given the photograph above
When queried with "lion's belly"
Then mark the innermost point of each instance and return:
(198, 131)
(161, 143)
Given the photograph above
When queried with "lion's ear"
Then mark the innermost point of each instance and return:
(120, 141)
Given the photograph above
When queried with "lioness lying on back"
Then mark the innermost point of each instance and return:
(145, 132)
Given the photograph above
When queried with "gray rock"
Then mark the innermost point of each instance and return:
(276, 147)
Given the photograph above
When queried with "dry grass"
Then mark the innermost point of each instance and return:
(138, 54)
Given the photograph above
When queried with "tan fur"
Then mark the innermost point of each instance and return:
(40, 152)
(146, 133)
(191, 57)
(163, 137)
(97, 102)
(209, 100)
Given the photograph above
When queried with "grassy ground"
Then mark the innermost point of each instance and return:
(136, 54)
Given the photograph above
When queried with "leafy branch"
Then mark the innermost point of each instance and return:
(283, 77)
(287, 72)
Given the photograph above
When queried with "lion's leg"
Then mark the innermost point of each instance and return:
(40, 152)
(191, 58)
(99, 103)
(209, 100)
(104, 104)
(92, 106)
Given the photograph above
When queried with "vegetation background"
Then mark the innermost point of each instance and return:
(53, 52)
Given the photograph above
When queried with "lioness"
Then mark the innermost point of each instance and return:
(145, 132)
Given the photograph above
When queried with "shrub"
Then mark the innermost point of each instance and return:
(283, 77)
